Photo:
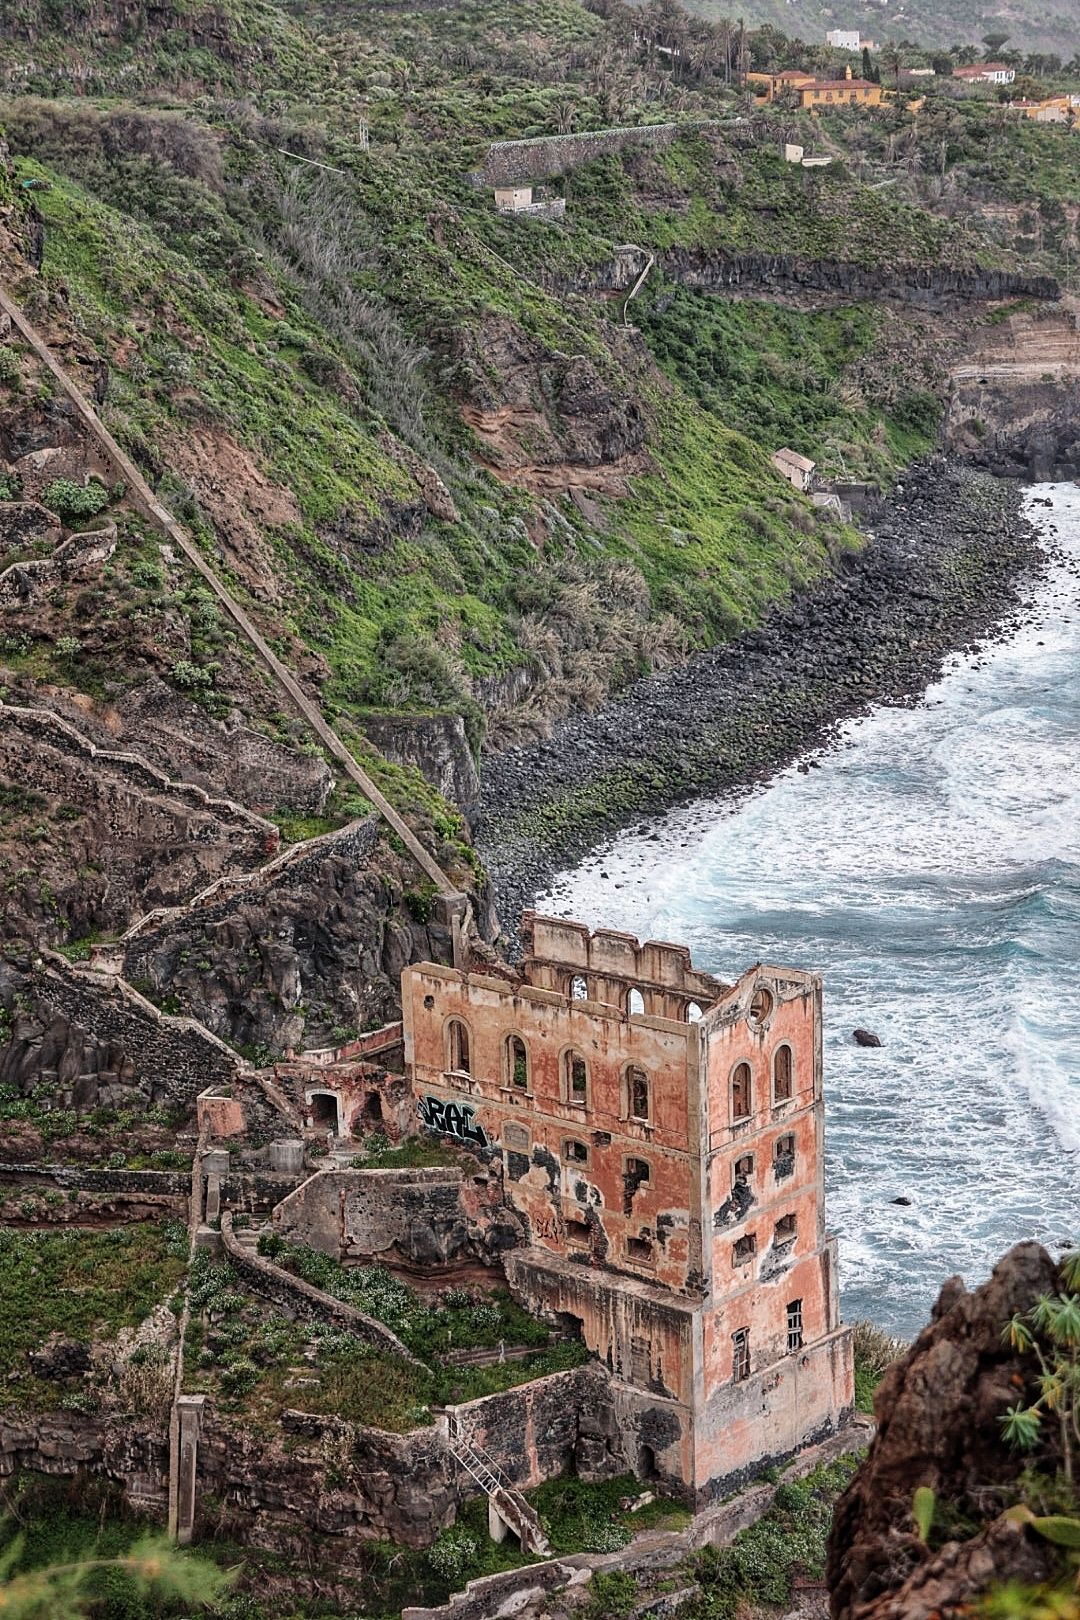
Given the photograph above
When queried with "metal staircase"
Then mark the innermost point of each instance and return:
(508, 1502)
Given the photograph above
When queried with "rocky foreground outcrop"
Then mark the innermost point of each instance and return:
(939, 1415)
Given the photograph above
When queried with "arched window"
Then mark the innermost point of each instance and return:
(575, 1078)
(517, 1063)
(637, 1093)
(579, 987)
(457, 1047)
(741, 1092)
(693, 1013)
(781, 1074)
(635, 1005)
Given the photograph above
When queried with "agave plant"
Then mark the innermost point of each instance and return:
(1050, 1331)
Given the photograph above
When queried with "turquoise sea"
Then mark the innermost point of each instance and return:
(929, 867)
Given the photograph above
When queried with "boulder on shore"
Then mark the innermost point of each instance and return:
(865, 1037)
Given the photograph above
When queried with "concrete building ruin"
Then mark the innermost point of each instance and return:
(660, 1133)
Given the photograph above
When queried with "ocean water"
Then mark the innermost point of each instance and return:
(929, 868)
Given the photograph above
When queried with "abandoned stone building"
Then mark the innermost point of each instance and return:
(660, 1133)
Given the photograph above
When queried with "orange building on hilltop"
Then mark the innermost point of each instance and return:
(661, 1134)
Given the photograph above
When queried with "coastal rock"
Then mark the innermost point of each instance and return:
(865, 1037)
(938, 1412)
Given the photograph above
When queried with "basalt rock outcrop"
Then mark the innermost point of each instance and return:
(76, 1039)
(299, 953)
(939, 1415)
(936, 287)
(547, 420)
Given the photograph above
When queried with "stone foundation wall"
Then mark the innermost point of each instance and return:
(427, 1218)
(566, 1423)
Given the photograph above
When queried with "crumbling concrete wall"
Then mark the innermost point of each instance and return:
(564, 1424)
(425, 1218)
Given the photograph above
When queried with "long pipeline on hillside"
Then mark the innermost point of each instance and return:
(144, 498)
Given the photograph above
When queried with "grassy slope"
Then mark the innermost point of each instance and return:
(318, 322)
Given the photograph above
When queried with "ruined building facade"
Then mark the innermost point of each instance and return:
(661, 1134)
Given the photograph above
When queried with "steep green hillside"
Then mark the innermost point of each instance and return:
(415, 433)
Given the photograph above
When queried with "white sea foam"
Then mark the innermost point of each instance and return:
(930, 868)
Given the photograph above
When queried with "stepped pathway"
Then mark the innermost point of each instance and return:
(143, 497)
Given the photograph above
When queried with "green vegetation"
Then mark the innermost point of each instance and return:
(258, 1364)
(81, 1284)
(818, 383)
(427, 1152)
(59, 1561)
(875, 1352)
(1050, 1333)
(761, 1563)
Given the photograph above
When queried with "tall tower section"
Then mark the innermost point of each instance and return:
(660, 1134)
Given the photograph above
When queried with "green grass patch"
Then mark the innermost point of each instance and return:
(84, 1285)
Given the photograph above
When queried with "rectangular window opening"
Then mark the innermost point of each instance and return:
(784, 1230)
(640, 1250)
(575, 1152)
(740, 1353)
(577, 1231)
(794, 1325)
(743, 1249)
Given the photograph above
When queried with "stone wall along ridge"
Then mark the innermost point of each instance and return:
(295, 1295)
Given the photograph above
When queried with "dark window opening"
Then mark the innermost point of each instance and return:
(577, 1078)
(517, 1063)
(744, 1249)
(577, 1231)
(429, 1002)
(640, 1250)
(575, 1152)
(458, 1044)
(647, 1468)
(740, 1353)
(782, 1075)
(784, 1230)
(637, 1084)
(794, 1325)
(744, 1167)
(761, 1005)
(741, 1092)
(373, 1114)
(784, 1157)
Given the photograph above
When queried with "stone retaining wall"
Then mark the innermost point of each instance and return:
(434, 1217)
(90, 1040)
(299, 1298)
(510, 163)
(565, 1423)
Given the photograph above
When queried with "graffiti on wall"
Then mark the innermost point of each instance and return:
(452, 1119)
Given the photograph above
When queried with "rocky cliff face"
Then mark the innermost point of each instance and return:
(939, 1415)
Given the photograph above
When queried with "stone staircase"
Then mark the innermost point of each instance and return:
(506, 1504)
